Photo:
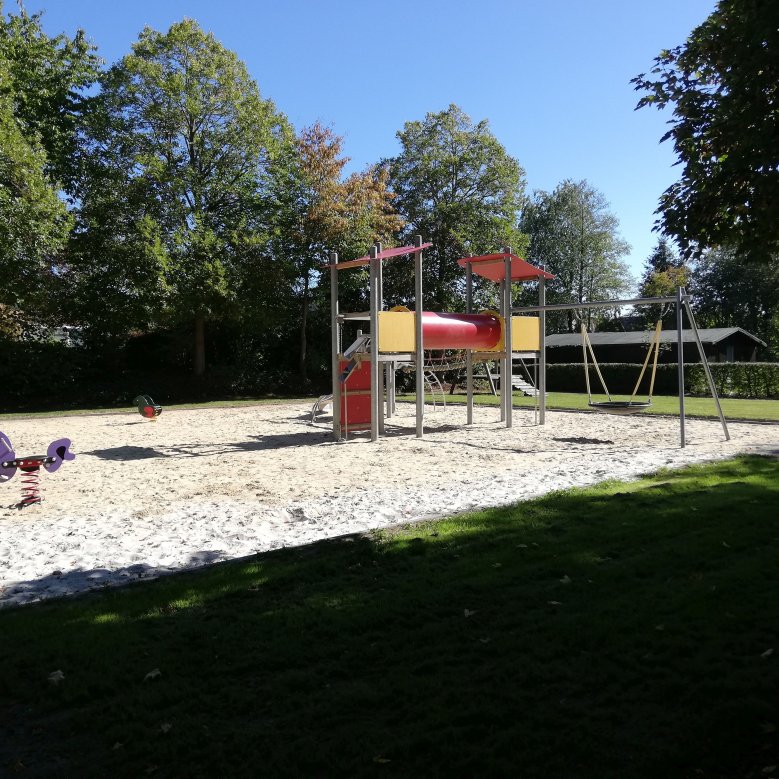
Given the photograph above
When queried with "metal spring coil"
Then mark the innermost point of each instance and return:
(31, 489)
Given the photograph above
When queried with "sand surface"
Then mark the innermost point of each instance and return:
(142, 499)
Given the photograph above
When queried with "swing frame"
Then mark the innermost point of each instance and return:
(631, 406)
(681, 302)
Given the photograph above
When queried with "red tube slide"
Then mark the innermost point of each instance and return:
(460, 331)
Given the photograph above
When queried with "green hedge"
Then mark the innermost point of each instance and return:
(732, 379)
(52, 376)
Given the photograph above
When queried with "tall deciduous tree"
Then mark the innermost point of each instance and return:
(326, 212)
(33, 221)
(723, 87)
(177, 183)
(41, 90)
(47, 80)
(575, 235)
(458, 187)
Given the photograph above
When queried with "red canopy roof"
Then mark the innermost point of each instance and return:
(493, 267)
(383, 255)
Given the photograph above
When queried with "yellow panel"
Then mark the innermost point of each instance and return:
(396, 331)
(525, 333)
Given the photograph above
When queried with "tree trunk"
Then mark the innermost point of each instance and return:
(303, 337)
(200, 344)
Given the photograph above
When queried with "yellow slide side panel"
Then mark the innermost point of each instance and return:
(396, 331)
(525, 333)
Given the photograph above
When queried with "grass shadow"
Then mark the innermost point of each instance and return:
(619, 631)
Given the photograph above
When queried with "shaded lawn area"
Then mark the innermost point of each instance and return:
(732, 408)
(620, 631)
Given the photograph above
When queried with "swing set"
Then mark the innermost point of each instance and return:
(612, 406)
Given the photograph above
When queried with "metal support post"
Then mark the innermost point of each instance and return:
(508, 340)
(680, 363)
(335, 346)
(502, 362)
(420, 346)
(374, 313)
(541, 386)
(469, 352)
(706, 366)
(382, 372)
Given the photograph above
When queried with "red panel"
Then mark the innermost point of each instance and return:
(492, 267)
(356, 409)
(460, 331)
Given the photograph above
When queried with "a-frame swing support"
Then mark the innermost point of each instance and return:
(682, 302)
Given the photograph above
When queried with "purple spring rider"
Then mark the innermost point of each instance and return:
(57, 453)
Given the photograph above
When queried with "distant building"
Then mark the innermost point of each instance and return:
(721, 344)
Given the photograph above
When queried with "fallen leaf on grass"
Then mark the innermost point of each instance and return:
(153, 674)
(55, 677)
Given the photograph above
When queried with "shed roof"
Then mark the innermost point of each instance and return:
(709, 335)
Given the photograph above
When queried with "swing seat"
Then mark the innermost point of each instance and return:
(622, 407)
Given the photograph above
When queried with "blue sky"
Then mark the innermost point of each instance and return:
(552, 76)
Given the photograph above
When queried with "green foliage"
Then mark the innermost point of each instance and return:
(575, 235)
(456, 186)
(729, 292)
(723, 87)
(177, 188)
(732, 379)
(34, 222)
(48, 78)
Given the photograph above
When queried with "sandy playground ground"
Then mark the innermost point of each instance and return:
(200, 486)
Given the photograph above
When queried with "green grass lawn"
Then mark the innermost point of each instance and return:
(733, 408)
(627, 630)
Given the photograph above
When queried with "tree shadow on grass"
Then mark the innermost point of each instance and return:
(589, 634)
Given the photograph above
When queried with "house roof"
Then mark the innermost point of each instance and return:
(709, 335)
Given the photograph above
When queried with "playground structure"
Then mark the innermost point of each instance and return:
(57, 453)
(147, 408)
(363, 375)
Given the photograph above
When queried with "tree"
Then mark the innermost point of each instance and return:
(575, 235)
(47, 81)
(42, 82)
(457, 187)
(177, 185)
(731, 293)
(320, 212)
(723, 85)
(664, 272)
(34, 222)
